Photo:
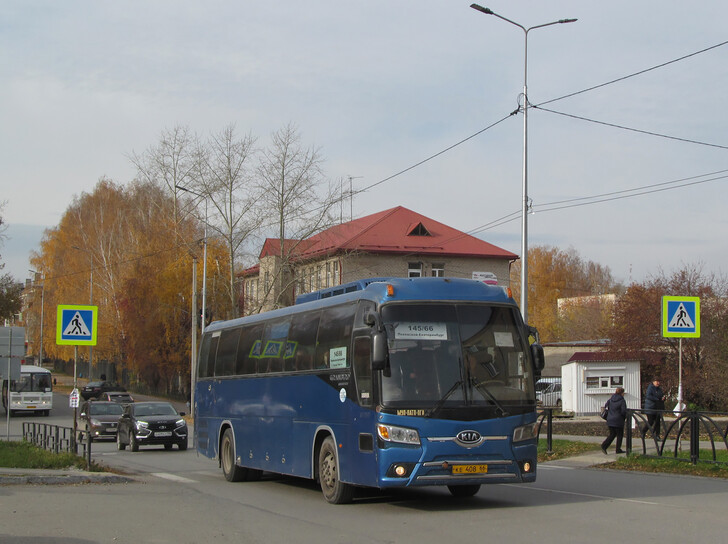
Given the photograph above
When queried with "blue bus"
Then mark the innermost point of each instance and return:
(402, 382)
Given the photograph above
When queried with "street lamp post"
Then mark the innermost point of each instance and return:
(42, 292)
(193, 355)
(90, 303)
(204, 257)
(524, 108)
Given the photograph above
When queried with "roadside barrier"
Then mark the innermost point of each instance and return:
(548, 415)
(700, 431)
(53, 438)
(57, 438)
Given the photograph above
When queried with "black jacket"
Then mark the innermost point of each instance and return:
(617, 411)
(653, 398)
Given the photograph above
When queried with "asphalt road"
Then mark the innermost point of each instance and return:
(181, 497)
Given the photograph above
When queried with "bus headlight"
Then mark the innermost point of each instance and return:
(401, 435)
(525, 432)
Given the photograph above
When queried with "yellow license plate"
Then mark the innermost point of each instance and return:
(30, 407)
(469, 469)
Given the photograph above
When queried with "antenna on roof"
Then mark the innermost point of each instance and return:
(351, 197)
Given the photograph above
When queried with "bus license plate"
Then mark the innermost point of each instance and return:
(469, 469)
(163, 433)
(30, 407)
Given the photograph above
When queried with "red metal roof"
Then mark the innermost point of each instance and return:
(397, 230)
(593, 357)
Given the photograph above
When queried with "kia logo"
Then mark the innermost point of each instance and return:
(469, 437)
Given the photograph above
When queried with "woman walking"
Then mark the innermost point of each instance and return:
(616, 415)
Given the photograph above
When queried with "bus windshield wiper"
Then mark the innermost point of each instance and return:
(445, 397)
(483, 389)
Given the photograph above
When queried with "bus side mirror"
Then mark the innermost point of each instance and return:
(538, 358)
(379, 350)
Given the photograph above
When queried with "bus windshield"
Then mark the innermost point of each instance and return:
(30, 382)
(456, 355)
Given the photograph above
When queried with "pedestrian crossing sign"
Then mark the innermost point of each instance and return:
(76, 325)
(681, 317)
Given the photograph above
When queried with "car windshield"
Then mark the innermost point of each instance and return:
(93, 384)
(96, 409)
(154, 410)
(455, 355)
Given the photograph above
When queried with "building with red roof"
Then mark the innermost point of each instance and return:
(396, 242)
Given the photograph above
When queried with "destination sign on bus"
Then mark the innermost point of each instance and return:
(420, 331)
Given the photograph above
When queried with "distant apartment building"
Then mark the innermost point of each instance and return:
(396, 242)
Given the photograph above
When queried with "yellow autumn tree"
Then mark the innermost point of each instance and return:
(140, 256)
(555, 274)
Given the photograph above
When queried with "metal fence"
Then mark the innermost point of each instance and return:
(694, 437)
(53, 438)
(58, 439)
(688, 436)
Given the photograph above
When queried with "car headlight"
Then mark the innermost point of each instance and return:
(141, 424)
(95, 422)
(179, 423)
(525, 432)
(402, 435)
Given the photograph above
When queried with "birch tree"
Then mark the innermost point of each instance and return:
(224, 176)
(297, 199)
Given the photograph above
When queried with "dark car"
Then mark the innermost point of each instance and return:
(120, 397)
(148, 423)
(101, 418)
(93, 390)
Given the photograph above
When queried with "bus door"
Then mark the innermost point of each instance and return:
(363, 435)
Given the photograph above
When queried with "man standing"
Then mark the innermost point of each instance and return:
(654, 404)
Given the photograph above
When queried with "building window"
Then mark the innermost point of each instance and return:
(336, 272)
(604, 382)
(438, 270)
(414, 270)
(328, 275)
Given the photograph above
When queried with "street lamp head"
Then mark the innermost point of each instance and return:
(568, 20)
(481, 8)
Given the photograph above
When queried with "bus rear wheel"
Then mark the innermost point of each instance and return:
(463, 491)
(335, 491)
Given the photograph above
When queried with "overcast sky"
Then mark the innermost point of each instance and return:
(380, 86)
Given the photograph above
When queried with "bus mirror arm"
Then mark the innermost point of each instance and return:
(538, 359)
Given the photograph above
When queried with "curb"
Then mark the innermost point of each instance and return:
(59, 477)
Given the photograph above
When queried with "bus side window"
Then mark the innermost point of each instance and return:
(334, 337)
(363, 369)
(302, 341)
(274, 346)
(249, 349)
(206, 364)
(226, 352)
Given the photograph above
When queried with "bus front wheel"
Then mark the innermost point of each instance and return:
(335, 491)
(463, 491)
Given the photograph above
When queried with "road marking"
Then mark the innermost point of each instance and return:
(588, 495)
(173, 477)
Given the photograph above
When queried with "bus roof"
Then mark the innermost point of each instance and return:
(376, 290)
(34, 369)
